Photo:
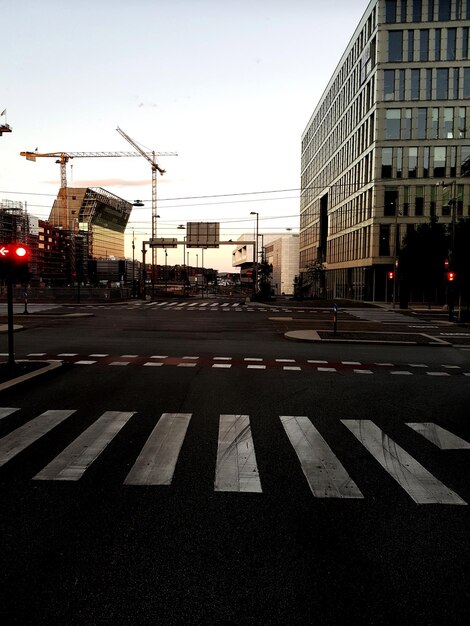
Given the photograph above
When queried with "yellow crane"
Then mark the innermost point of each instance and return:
(62, 158)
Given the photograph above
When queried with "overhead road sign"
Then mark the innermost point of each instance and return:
(202, 234)
(163, 242)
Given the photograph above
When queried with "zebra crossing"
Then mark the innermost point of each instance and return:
(207, 305)
(235, 467)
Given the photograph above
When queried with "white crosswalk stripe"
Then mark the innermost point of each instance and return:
(235, 466)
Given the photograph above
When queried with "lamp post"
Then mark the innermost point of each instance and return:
(154, 259)
(255, 251)
(395, 254)
(133, 264)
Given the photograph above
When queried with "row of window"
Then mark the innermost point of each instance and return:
(437, 44)
(426, 10)
(350, 247)
(426, 123)
(425, 162)
(440, 83)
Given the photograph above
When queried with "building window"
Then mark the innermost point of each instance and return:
(417, 10)
(389, 85)
(466, 83)
(426, 162)
(465, 161)
(444, 10)
(403, 10)
(435, 124)
(453, 161)
(428, 85)
(430, 10)
(401, 84)
(448, 123)
(451, 44)
(462, 122)
(395, 46)
(392, 124)
(442, 83)
(465, 32)
(387, 159)
(407, 125)
(437, 44)
(415, 84)
(399, 162)
(412, 162)
(456, 83)
(411, 45)
(390, 11)
(384, 240)
(439, 159)
(424, 45)
(390, 201)
(419, 201)
(421, 126)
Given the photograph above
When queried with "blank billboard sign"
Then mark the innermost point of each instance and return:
(202, 234)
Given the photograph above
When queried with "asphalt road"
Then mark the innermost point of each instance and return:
(328, 505)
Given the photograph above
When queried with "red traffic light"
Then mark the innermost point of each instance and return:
(451, 276)
(16, 252)
(390, 275)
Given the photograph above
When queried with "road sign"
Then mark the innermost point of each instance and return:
(163, 242)
(202, 234)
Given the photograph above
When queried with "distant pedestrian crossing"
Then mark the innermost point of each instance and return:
(238, 306)
(235, 465)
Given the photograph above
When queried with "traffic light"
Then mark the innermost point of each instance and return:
(15, 252)
(390, 275)
(451, 276)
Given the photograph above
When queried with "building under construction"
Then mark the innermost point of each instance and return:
(13, 222)
(100, 216)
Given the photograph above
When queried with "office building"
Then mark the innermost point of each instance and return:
(388, 145)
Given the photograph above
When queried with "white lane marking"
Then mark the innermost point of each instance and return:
(186, 365)
(316, 361)
(72, 463)
(452, 367)
(418, 483)
(291, 367)
(222, 365)
(363, 371)
(156, 463)
(129, 356)
(158, 356)
(214, 305)
(326, 369)
(351, 363)
(6, 411)
(191, 358)
(440, 437)
(235, 305)
(437, 374)
(119, 363)
(204, 304)
(37, 354)
(192, 305)
(98, 355)
(25, 435)
(68, 354)
(325, 475)
(153, 364)
(385, 364)
(84, 362)
(222, 358)
(252, 359)
(401, 373)
(225, 304)
(256, 367)
(417, 365)
(236, 468)
(285, 360)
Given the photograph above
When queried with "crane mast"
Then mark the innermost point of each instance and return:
(151, 158)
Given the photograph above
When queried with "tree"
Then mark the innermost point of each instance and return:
(421, 261)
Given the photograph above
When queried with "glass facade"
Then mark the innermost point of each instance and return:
(391, 126)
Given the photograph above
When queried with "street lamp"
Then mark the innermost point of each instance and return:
(255, 252)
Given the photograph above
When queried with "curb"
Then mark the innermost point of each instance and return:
(311, 336)
(16, 381)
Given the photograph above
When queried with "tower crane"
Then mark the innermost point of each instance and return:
(151, 158)
(62, 158)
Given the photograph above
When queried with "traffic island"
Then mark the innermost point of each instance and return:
(395, 338)
(21, 371)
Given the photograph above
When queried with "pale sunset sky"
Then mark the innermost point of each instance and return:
(227, 84)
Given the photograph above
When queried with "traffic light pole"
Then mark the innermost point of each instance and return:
(11, 351)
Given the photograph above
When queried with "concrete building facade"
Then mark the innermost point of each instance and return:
(281, 251)
(388, 145)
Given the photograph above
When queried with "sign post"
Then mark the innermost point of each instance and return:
(335, 318)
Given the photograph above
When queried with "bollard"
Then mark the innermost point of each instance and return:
(335, 318)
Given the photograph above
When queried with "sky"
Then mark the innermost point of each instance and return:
(229, 85)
